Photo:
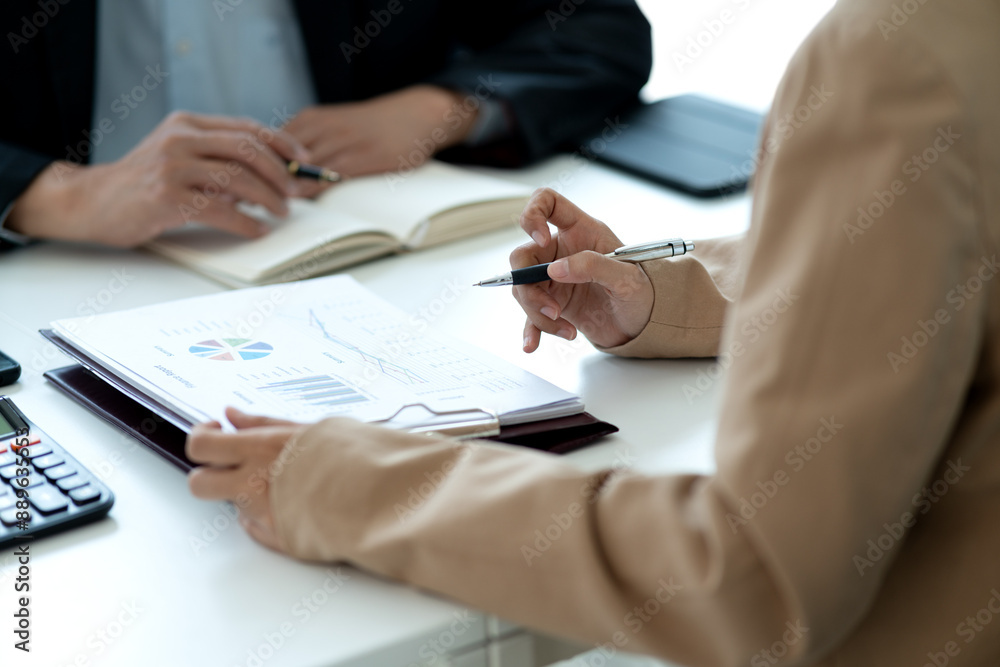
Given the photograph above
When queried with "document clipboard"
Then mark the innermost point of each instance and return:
(557, 436)
(459, 424)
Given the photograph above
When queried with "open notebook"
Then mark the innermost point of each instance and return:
(352, 222)
(304, 351)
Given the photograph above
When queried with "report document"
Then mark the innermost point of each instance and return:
(302, 351)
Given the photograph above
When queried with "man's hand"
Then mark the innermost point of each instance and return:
(192, 167)
(609, 301)
(238, 467)
(401, 129)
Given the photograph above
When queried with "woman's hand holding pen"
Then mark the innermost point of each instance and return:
(609, 301)
(191, 168)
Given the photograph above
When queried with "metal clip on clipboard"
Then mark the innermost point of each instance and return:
(465, 427)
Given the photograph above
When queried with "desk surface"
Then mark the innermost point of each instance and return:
(185, 570)
(172, 580)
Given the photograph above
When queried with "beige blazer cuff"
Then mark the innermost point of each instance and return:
(691, 295)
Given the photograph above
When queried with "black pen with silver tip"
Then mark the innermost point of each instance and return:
(640, 252)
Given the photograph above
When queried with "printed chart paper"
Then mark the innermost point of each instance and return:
(305, 351)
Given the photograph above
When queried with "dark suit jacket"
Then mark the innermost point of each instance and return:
(562, 67)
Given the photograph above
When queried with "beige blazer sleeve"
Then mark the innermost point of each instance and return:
(691, 296)
(830, 424)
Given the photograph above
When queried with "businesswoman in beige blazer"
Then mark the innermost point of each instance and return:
(854, 518)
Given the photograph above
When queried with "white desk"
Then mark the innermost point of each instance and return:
(208, 595)
(137, 580)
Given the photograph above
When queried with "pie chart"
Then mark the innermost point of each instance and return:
(231, 349)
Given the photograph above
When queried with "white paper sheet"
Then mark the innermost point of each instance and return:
(305, 351)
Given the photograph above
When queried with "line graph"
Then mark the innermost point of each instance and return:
(383, 344)
(384, 366)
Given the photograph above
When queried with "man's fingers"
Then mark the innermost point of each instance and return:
(285, 145)
(324, 128)
(282, 142)
(222, 214)
(244, 185)
(326, 148)
(348, 161)
(245, 150)
(306, 133)
(367, 159)
(211, 121)
(307, 126)
(310, 189)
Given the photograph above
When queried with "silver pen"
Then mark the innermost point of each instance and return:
(628, 253)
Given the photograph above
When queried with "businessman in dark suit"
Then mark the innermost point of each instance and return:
(90, 151)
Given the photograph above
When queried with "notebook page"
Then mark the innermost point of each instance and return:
(397, 204)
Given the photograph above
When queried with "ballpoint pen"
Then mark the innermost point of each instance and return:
(629, 253)
(296, 168)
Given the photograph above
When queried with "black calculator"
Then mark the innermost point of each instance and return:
(43, 490)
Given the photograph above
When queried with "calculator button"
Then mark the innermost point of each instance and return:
(7, 501)
(9, 517)
(67, 484)
(47, 461)
(34, 479)
(34, 451)
(47, 500)
(65, 470)
(32, 441)
(12, 442)
(9, 472)
(7, 458)
(84, 495)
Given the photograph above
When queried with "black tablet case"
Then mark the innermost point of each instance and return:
(690, 143)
